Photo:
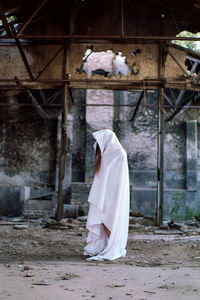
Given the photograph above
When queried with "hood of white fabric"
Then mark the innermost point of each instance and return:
(106, 140)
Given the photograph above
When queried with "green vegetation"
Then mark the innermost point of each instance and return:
(189, 213)
(192, 45)
(176, 203)
(9, 19)
(175, 212)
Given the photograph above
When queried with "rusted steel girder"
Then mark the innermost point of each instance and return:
(31, 17)
(23, 56)
(122, 19)
(37, 106)
(10, 30)
(137, 106)
(176, 61)
(104, 37)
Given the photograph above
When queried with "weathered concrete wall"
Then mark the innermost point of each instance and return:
(139, 138)
(37, 57)
(181, 165)
(79, 136)
(27, 151)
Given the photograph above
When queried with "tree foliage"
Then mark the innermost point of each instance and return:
(192, 45)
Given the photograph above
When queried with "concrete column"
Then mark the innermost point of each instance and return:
(160, 158)
(68, 161)
(191, 155)
(79, 136)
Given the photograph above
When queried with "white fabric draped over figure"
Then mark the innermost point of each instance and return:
(109, 201)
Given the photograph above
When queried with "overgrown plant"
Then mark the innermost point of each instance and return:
(176, 202)
(189, 213)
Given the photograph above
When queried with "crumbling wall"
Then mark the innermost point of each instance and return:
(37, 57)
(79, 136)
(138, 136)
(27, 150)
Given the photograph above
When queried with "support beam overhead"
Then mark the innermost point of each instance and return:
(31, 17)
(23, 56)
(113, 38)
(10, 30)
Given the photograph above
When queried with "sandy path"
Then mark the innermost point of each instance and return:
(99, 281)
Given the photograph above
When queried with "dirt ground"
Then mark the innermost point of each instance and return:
(38, 262)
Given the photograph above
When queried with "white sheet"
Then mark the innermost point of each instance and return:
(109, 201)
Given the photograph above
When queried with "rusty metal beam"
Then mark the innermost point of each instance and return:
(122, 19)
(104, 37)
(137, 106)
(23, 56)
(31, 17)
(98, 84)
(53, 97)
(43, 96)
(100, 105)
(50, 61)
(133, 5)
(37, 106)
(168, 100)
(179, 99)
(183, 106)
(176, 61)
(177, 9)
(10, 30)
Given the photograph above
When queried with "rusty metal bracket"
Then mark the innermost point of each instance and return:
(176, 61)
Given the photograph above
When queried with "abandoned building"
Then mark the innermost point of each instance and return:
(73, 67)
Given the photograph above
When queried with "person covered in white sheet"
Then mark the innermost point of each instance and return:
(108, 217)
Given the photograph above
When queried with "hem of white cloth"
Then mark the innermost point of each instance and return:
(100, 258)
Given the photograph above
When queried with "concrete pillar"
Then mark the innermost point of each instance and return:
(79, 136)
(191, 155)
(68, 161)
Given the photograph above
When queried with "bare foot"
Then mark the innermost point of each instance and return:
(107, 231)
